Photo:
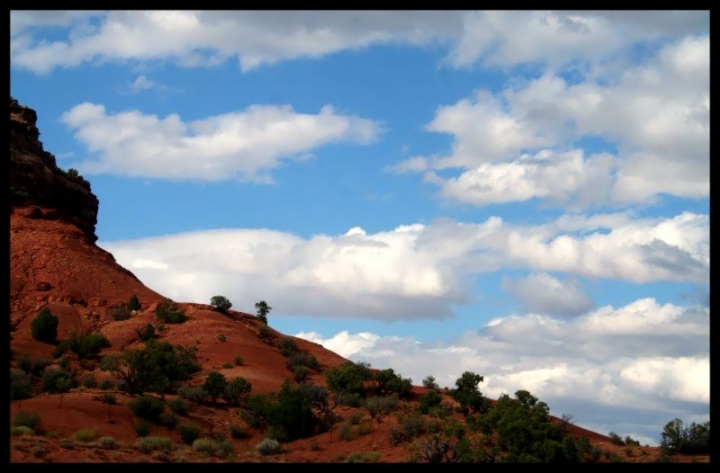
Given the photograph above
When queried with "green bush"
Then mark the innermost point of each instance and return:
(196, 394)
(268, 446)
(147, 333)
(215, 385)
(693, 439)
(84, 346)
(119, 312)
(349, 399)
(346, 432)
(299, 358)
(151, 444)
(107, 384)
(66, 444)
(86, 435)
(300, 374)
(142, 428)
(20, 385)
(178, 406)
(44, 326)
(467, 394)
(348, 378)
(169, 420)
(147, 407)
(429, 383)
(236, 391)
(428, 401)
(220, 303)
(21, 430)
(108, 443)
(263, 309)
(56, 381)
(616, 439)
(189, 432)
(170, 313)
(205, 446)
(88, 380)
(238, 360)
(34, 366)
(381, 405)
(133, 303)
(239, 431)
(287, 346)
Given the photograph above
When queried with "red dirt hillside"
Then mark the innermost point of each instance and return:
(55, 264)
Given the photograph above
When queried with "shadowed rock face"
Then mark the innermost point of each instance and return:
(35, 178)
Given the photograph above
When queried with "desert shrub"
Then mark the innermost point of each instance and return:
(119, 312)
(72, 172)
(67, 444)
(616, 439)
(429, 383)
(300, 358)
(146, 407)
(227, 366)
(157, 368)
(178, 406)
(443, 410)
(65, 363)
(263, 309)
(348, 378)
(44, 326)
(238, 360)
(20, 385)
(189, 432)
(631, 441)
(363, 457)
(142, 428)
(38, 451)
(388, 382)
(364, 428)
(107, 384)
(196, 394)
(236, 391)
(170, 313)
(151, 444)
(220, 448)
(88, 380)
(467, 394)
(133, 303)
(86, 435)
(239, 431)
(107, 443)
(169, 420)
(355, 418)
(693, 439)
(257, 409)
(85, 346)
(57, 381)
(34, 366)
(215, 384)
(222, 337)
(346, 432)
(268, 446)
(314, 445)
(287, 346)
(409, 427)
(428, 401)
(88, 364)
(381, 405)
(348, 399)
(21, 430)
(264, 332)
(300, 374)
(147, 333)
(220, 303)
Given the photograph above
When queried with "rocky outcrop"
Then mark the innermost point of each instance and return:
(35, 178)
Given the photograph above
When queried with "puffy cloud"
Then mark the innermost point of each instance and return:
(256, 38)
(416, 271)
(542, 293)
(514, 146)
(245, 144)
(645, 361)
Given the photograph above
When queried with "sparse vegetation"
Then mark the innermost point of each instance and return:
(693, 439)
(157, 368)
(57, 382)
(236, 391)
(88, 380)
(268, 446)
(84, 346)
(178, 406)
(119, 312)
(238, 360)
(20, 385)
(133, 303)
(21, 430)
(195, 394)
(108, 443)
(142, 428)
(86, 435)
(220, 303)
(219, 448)
(32, 365)
(151, 444)
(147, 407)
(107, 384)
(189, 432)
(170, 313)
(363, 457)
(239, 431)
(263, 309)
(147, 333)
(44, 326)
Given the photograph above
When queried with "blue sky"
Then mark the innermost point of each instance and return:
(519, 194)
